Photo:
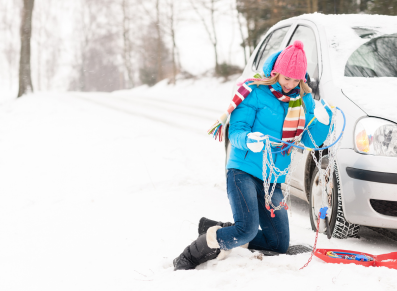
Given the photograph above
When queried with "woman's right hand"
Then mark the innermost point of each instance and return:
(254, 141)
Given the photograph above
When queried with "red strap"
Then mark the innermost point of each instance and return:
(315, 243)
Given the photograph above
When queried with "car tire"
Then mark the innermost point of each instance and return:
(338, 225)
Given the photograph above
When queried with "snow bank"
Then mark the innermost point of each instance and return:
(207, 92)
(94, 196)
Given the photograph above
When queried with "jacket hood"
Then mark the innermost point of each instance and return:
(269, 64)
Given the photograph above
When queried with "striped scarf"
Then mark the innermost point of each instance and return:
(294, 122)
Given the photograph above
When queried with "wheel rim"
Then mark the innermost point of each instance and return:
(316, 198)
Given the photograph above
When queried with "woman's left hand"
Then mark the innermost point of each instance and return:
(323, 113)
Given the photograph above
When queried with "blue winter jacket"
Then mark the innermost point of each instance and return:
(262, 112)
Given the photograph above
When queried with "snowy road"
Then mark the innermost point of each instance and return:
(177, 115)
(102, 191)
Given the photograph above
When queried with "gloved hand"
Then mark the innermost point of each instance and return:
(323, 113)
(254, 141)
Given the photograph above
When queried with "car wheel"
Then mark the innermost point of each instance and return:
(338, 225)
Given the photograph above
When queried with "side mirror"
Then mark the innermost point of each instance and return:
(313, 83)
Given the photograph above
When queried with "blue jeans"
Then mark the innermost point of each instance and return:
(247, 199)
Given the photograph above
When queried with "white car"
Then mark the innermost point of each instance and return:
(352, 63)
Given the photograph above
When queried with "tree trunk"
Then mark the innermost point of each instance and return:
(10, 49)
(127, 44)
(215, 40)
(315, 5)
(159, 45)
(341, 7)
(83, 45)
(309, 6)
(211, 36)
(240, 26)
(172, 30)
(25, 80)
(312, 6)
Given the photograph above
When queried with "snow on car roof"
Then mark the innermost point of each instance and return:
(349, 19)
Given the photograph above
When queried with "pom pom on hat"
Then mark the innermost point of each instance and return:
(292, 61)
(298, 44)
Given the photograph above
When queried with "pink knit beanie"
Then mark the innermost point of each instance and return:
(292, 62)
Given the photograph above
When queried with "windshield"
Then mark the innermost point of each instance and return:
(351, 39)
(375, 58)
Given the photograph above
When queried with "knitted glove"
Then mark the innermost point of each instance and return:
(323, 113)
(254, 141)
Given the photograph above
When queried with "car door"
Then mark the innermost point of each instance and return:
(306, 32)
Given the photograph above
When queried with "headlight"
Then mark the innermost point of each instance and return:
(375, 136)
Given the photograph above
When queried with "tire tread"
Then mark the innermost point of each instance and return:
(343, 229)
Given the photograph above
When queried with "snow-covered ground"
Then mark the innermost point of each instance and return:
(102, 191)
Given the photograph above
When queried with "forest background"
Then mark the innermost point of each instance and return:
(108, 45)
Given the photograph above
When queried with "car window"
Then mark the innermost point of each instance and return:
(376, 58)
(269, 46)
(306, 35)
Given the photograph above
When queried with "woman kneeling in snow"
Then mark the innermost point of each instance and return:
(280, 106)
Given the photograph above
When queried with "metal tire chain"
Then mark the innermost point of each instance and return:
(266, 182)
(331, 137)
(332, 153)
(273, 170)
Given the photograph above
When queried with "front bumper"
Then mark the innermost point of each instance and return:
(366, 182)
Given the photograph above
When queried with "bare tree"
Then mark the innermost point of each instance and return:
(10, 45)
(99, 48)
(84, 41)
(159, 43)
(127, 42)
(261, 15)
(25, 80)
(164, 21)
(240, 28)
(174, 49)
(42, 37)
(312, 6)
(88, 28)
(209, 28)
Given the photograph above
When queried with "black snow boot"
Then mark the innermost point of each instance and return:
(205, 224)
(198, 252)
